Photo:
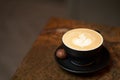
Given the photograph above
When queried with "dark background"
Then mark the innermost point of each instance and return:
(22, 20)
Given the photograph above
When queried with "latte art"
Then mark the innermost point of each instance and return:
(82, 39)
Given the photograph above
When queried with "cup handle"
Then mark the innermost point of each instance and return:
(60, 53)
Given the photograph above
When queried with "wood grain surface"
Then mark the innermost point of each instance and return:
(39, 63)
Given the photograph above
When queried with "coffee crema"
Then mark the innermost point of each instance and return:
(82, 39)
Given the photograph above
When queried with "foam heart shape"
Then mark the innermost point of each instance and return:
(82, 41)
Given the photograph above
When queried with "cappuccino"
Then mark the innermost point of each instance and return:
(82, 39)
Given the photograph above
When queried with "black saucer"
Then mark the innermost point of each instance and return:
(99, 64)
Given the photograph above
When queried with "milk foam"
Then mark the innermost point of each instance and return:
(82, 40)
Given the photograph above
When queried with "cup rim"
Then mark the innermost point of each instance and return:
(87, 49)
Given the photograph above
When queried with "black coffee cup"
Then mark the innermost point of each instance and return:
(82, 57)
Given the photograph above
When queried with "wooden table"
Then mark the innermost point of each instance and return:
(39, 63)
